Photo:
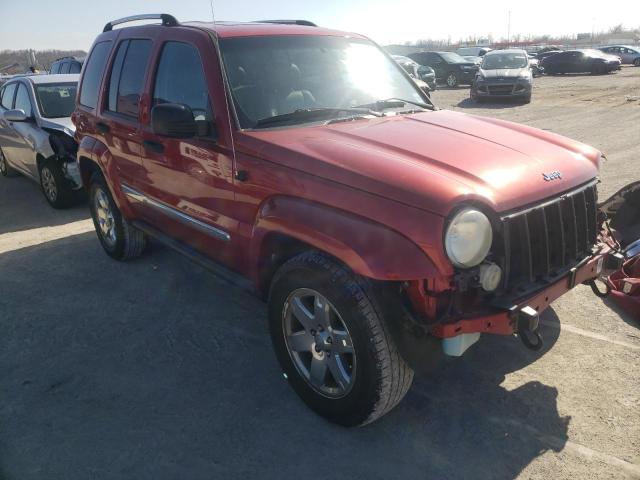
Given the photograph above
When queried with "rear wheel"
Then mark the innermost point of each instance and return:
(5, 169)
(55, 186)
(332, 342)
(119, 239)
(452, 80)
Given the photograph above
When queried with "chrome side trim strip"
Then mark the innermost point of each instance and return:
(176, 214)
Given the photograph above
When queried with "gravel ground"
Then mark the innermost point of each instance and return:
(155, 369)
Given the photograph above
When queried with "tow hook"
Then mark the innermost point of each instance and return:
(597, 292)
(528, 321)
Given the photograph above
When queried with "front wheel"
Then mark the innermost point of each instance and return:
(636, 62)
(332, 342)
(55, 186)
(118, 237)
(452, 80)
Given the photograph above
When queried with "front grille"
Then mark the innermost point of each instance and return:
(543, 242)
(506, 89)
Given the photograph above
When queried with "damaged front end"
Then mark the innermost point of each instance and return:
(543, 251)
(621, 216)
(64, 148)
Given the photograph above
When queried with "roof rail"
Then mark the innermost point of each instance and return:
(306, 23)
(167, 20)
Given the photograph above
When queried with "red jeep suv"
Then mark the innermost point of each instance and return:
(305, 164)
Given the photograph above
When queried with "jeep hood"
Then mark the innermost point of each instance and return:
(434, 160)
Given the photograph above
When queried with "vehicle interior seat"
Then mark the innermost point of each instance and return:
(298, 98)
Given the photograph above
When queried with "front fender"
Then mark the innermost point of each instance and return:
(368, 248)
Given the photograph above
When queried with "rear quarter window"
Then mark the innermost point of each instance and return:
(93, 74)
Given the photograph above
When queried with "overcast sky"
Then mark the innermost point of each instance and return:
(73, 24)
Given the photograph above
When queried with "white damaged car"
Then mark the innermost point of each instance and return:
(36, 134)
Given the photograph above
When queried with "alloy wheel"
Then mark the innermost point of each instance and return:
(452, 81)
(49, 184)
(106, 220)
(319, 343)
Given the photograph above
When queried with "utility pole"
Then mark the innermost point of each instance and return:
(509, 29)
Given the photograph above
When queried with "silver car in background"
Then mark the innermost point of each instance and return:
(36, 134)
(628, 55)
(503, 74)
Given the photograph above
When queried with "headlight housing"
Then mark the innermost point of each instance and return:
(468, 238)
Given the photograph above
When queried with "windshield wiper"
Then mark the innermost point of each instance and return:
(394, 103)
(310, 114)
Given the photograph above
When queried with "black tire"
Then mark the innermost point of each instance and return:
(526, 99)
(636, 62)
(55, 186)
(381, 378)
(5, 169)
(127, 242)
(451, 80)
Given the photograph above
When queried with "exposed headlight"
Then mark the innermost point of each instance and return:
(468, 238)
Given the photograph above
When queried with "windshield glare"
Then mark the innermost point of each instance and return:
(451, 57)
(56, 100)
(504, 60)
(276, 75)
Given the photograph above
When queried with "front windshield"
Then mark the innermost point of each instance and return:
(504, 60)
(451, 57)
(56, 100)
(278, 75)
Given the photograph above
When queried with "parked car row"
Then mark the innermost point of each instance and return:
(306, 166)
(508, 73)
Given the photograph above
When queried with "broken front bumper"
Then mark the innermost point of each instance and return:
(506, 322)
(620, 223)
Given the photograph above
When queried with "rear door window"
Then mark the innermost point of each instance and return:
(65, 67)
(180, 79)
(93, 74)
(127, 76)
(7, 96)
(55, 68)
(23, 102)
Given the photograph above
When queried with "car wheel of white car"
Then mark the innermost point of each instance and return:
(55, 186)
(5, 169)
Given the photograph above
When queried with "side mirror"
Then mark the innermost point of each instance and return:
(173, 120)
(15, 116)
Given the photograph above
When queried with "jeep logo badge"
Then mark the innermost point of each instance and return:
(551, 176)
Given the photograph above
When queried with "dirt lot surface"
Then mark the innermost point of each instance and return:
(154, 369)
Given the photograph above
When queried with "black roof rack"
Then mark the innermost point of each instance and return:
(306, 23)
(167, 20)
